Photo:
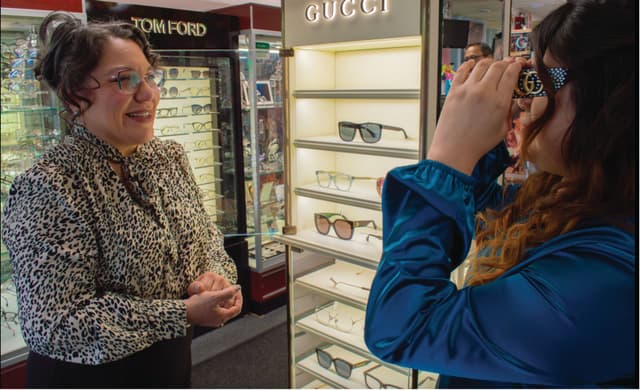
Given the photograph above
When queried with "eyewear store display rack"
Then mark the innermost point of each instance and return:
(354, 114)
(188, 114)
(29, 123)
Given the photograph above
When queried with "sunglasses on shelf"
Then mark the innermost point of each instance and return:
(369, 132)
(197, 109)
(340, 181)
(343, 367)
(343, 227)
(530, 86)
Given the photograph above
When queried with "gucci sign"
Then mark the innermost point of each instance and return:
(170, 27)
(331, 9)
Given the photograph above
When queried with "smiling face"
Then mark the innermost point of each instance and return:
(545, 150)
(122, 120)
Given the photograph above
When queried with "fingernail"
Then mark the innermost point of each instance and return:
(237, 287)
(196, 288)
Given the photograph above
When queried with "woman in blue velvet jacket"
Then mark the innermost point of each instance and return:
(550, 299)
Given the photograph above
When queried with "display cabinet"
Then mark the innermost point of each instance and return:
(29, 123)
(196, 110)
(355, 111)
(262, 139)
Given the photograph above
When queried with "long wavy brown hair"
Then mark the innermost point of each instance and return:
(596, 41)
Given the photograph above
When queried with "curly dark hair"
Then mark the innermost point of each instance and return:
(596, 40)
(71, 50)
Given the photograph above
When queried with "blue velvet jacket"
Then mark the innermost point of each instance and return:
(565, 316)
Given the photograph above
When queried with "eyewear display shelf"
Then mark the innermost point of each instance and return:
(29, 124)
(375, 82)
(196, 111)
(263, 137)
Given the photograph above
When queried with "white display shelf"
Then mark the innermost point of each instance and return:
(356, 250)
(341, 271)
(358, 94)
(316, 384)
(360, 195)
(406, 148)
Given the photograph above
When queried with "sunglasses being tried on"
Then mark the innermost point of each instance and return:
(530, 86)
(369, 132)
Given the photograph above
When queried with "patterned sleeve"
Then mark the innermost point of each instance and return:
(54, 254)
(218, 260)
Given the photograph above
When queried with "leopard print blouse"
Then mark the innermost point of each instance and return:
(99, 277)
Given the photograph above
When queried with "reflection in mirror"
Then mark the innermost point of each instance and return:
(471, 29)
(525, 15)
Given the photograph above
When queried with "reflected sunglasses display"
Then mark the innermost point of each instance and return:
(129, 80)
(340, 181)
(199, 126)
(195, 74)
(167, 112)
(530, 86)
(369, 132)
(343, 227)
(343, 367)
(196, 109)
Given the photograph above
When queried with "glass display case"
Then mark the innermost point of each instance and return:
(263, 140)
(29, 123)
(197, 110)
(355, 112)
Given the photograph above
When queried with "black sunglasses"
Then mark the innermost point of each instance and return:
(529, 83)
(343, 367)
(369, 132)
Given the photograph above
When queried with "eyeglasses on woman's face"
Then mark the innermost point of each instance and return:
(129, 80)
(530, 85)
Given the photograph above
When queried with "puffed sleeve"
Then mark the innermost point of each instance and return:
(218, 260)
(54, 253)
(565, 317)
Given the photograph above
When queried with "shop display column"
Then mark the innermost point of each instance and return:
(356, 101)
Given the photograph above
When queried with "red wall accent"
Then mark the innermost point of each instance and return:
(15, 375)
(264, 17)
(48, 5)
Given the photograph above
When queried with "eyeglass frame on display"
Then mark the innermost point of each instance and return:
(359, 128)
(352, 224)
(334, 174)
(349, 365)
(333, 317)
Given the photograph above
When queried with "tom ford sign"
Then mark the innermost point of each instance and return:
(329, 10)
(169, 27)
(327, 21)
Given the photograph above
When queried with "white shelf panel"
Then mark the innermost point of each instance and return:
(358, 94)
(356, 250)
(390, 148)
(320, 281)
(358, 196)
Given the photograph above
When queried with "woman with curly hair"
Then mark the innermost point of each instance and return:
(550, 299)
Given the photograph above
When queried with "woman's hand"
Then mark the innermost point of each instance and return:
(209, 281)
(214, 308)
(476, 113)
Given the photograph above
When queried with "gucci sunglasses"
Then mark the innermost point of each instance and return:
(343, 227)
(369, 132)
(530, 86)
(343, 367)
